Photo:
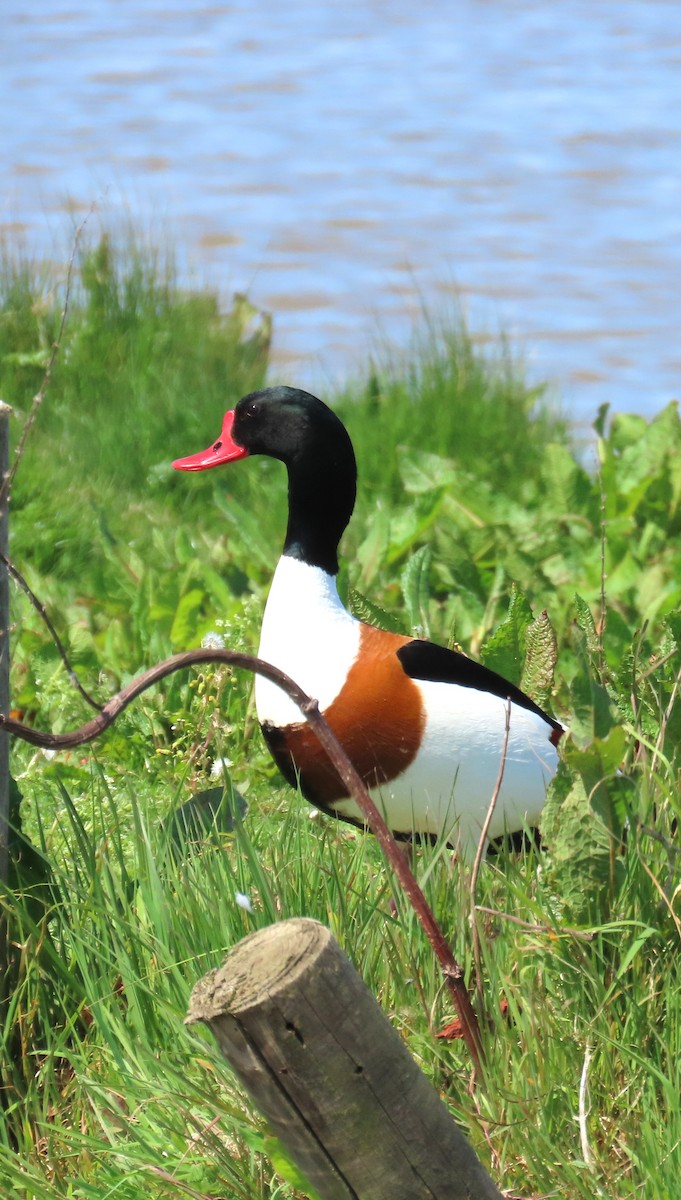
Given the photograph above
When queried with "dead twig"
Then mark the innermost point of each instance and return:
(665, 721)
(482, 843)
(663, 841)
(663, 895)
(452, 971)
(531, 927)
(42, 612)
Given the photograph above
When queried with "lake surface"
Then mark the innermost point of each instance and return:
(345, 163)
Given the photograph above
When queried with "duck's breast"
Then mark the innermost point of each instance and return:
(307, 633)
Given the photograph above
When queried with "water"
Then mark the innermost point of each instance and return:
(346, 162)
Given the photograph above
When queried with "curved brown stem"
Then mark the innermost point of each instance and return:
(452, 971)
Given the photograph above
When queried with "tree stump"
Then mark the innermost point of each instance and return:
(333, 1079)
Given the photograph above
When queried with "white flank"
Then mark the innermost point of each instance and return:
(448, 788)
(307, 633)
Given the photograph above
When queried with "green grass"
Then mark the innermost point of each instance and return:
(482, 518)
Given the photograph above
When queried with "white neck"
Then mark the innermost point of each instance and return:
(307, 633)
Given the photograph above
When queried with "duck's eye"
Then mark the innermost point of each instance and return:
(253, 409)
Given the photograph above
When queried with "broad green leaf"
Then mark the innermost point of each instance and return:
(587, 624)
(592, 711)
(541, 654)
(504, 651)
(373, 549)
(415, 583)
(652, 590)
(626, 429)
(624, 574)
(249, 528)
(183, 629)
(597, 765)
(217, 585)
(579, 848)
(423, 472)
(360, 606)
(566, 483)
(647, 447)
(410, 524)
(185, 549)
(675, 483)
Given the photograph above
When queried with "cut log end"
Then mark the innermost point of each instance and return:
(256, 969)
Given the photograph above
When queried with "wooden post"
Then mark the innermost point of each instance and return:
(333, 1079)
(5, 412)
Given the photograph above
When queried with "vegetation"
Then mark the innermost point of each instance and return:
(475, 517)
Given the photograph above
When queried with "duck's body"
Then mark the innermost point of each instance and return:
(425, 726)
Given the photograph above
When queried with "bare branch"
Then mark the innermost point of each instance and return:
(663, 895)
(475, 931)
(659, 743)
(42, 612)
(563, 931)
(452, 971)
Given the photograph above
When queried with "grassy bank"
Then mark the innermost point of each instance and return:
(475, 515)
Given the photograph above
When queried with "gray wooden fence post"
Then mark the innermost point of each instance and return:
(5, 413)
(334, 1080)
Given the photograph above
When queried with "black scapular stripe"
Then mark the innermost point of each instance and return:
(436, 664)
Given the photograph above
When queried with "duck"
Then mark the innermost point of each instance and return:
(424, 725)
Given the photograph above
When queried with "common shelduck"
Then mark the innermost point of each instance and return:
(424, 725)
